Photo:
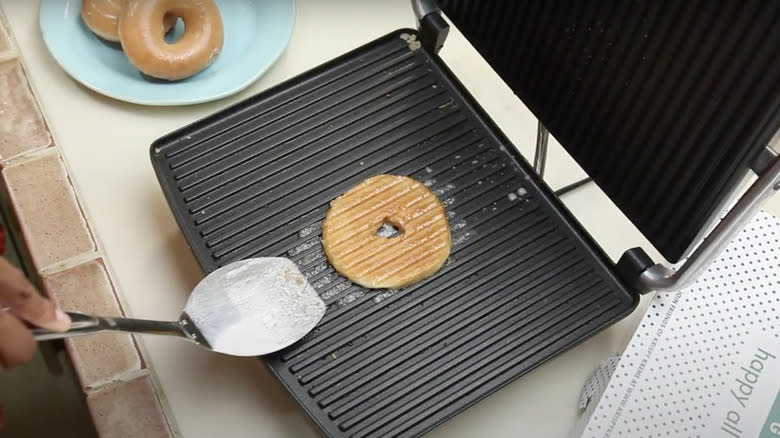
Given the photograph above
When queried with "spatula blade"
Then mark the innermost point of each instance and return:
(254, 306)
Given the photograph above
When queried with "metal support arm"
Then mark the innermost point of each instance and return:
(423, 7)
(660, 278)
(540, 156)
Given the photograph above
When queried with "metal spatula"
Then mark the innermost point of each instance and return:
(247, 308)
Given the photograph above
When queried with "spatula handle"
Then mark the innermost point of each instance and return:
(82, 324)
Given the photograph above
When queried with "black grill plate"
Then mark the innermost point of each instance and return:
(524, 281)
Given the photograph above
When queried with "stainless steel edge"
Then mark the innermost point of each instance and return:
(423, 7)
(661, 278)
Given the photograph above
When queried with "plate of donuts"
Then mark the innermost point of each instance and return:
(166, 52)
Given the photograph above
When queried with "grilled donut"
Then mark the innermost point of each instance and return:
(353, 248)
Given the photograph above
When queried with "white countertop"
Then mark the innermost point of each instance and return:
(106, 144)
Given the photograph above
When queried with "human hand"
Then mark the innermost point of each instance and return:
(20, 303)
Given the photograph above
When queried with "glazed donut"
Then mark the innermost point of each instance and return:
(353, 248)
(102, 18)
(144, 42)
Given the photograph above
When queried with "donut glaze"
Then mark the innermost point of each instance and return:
(102, 18)
(143, 37)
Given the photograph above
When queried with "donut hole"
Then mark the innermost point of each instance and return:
(389, 229)
(176, 31)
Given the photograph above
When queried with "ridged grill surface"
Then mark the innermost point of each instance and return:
(522, 284)
(663, 103)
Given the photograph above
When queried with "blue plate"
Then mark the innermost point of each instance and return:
(256, 34)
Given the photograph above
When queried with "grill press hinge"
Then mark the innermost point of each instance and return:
(432, 27)
(631, 266)
(433, 32)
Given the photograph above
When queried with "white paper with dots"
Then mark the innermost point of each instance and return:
(695, 346)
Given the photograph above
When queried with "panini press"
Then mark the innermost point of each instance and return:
(666, 105)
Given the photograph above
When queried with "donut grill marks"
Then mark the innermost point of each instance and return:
(521, 283)
(356, 251)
